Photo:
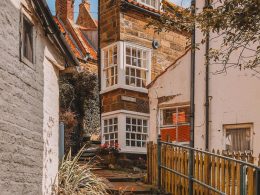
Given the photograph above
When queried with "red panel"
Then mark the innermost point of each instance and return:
(170, 134)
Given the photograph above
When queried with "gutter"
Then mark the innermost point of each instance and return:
(99, 68)
(46, 18)
(192, 100)
(126, 5)
(207, 63)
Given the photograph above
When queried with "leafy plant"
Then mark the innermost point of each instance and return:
(79, 94)
(76, 179)
(106, 149)
(236, 22)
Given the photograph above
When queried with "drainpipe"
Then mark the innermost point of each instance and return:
(207, 63)
(99, 69)
(192, 98)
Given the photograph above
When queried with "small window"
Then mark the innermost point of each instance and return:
(110, 66)
(151, 3)
(27, 40)
(136, 66)
(238, 138)
(136, 132)
(175, 116)
(110, 131)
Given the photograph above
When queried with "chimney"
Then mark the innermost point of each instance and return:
(86, 4)
(65, 10)
(85, 19)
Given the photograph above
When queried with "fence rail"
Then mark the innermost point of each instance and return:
(214, 173)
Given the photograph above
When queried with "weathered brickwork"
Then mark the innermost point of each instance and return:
(114, 100)
(109, 22)
(172, 44)
(129, 25)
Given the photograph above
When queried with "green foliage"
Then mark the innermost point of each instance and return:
(76, 179)
(237, 22)
(79, 94)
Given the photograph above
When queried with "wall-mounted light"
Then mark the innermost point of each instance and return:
(155, 44)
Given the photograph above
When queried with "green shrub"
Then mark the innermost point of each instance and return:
(76, 179)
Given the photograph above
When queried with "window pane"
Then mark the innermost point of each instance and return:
(238, 139)
(134, 52)
(128, 60)
(138, 134)
(27, 39)
(110, 131)
(128, 51)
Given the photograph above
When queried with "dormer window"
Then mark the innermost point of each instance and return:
(151, 3)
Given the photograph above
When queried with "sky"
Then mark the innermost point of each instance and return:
(94, 6)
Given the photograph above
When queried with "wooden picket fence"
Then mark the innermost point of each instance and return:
(220, 173)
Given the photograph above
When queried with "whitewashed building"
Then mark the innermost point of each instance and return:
(234, 102)
(32, 54)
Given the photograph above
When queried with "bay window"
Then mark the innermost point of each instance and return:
(136, 66)
(110, 66)
(126, 65)
(136, 132)
(110, 131)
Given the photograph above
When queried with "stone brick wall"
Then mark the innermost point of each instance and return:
(129, 25)
(172, 44)
(65, 9)
(28, 126)
(119, 100)
(109, 22)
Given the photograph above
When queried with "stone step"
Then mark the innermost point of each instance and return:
(129, 188)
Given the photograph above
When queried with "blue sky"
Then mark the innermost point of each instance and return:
(94, 6)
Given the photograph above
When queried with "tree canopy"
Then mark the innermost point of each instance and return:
(237, 22)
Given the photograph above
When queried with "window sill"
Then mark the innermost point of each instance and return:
(28, 63)
(137, 89)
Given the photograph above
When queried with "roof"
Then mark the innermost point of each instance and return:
(143, 6)
(76, 39)
(51, 28)
(162, 73)
(150, 9)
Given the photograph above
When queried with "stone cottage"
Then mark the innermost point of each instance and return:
(131, 57)
(32, 54)
(232, 99)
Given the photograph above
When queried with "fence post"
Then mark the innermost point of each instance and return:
(159, 160)
(243, 190)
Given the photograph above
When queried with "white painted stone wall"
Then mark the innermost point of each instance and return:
(175, 81)
(235, 97)
(28, 110)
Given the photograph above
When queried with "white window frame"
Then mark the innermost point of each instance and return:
(25, 16)
(104, 69)
(158, 7)
(121, 64)
(122, 115)
(239, 126)
(108, 132)
(172, 126)
(144, 69)
(131, 132)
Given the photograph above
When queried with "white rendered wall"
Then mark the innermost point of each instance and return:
(175, 81)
